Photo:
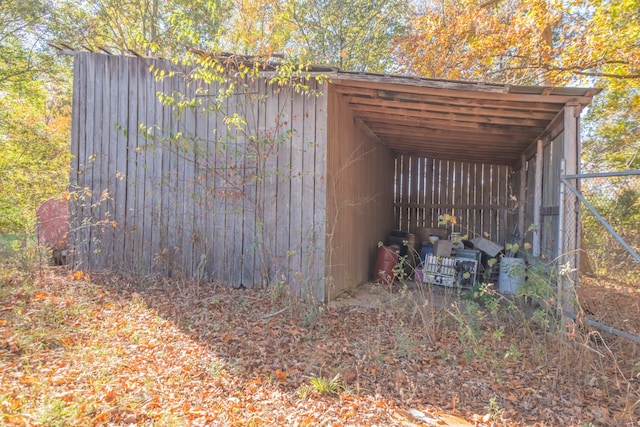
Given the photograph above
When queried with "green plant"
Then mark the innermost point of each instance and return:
(468, 319)
(513, 353)
(494, 408)
(511, 250)
(485, 295)
(327, 386)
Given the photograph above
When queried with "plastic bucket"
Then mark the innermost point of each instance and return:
(511, 275)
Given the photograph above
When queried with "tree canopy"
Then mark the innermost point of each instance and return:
(546, 42)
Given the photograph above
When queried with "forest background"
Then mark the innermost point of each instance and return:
(539, 42)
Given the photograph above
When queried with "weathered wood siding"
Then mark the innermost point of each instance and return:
(177, 191)
(477, 194)
(550, 209)
(359, 196)
(552, 154)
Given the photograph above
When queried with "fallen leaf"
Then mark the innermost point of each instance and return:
(280, 375)
(110, 396)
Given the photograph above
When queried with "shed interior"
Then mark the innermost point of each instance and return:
(403, 151)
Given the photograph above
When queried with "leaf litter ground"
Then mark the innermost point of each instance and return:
(109, 351)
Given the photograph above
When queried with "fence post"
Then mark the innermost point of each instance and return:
(568, 220)
(560, 242)
(537, 204)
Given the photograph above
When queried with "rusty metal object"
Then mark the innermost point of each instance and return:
(53, 228)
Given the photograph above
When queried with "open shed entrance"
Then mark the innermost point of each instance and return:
(488, 154)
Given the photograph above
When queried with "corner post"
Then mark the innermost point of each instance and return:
(568, 228)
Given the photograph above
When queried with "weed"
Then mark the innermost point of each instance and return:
(485, 295)
(468, 324)
(406, 344)
(498, 334)
(311, 315)
(304, 391)
(513, 353)
(279, 289)
(327, 386)
(494, 408)
(216, 368)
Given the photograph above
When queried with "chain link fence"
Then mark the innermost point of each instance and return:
(609, 270)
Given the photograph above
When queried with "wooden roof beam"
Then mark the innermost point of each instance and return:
(465, 94)
(454, 118)
(462, 108)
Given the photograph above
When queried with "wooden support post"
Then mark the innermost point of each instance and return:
(522, 197)
(537, 204)
(569, 226)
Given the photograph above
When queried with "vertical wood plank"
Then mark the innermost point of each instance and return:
(120, 153)
(406, 191)
(139, 234)
(145, 139)
(444, 187)
(190, 196)
(320, 201)
(483, 185)
(156, 169)
(252, 150)
(131, 222)
(284, 186)
(88, 164)
(101, 185)
(168, 184)
(95, 160)
(77, 150)
(457, 185)
(297, 199)
(496, 178)
(464, 199)
(208, 115)
(201, 237)
(269, 227)
(396, 191)
(235, 210)
(429, 193)
(309, 244)
(413, 194)
(522, 195)
(504, 228)
(220, 199)
(111, 125)
(470, 188)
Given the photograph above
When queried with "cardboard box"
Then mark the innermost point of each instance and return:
(442, 248)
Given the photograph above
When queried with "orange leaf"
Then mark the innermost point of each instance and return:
(390, 360)
(110, 396)
(280, 375)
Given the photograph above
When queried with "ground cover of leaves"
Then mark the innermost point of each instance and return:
(83, 351)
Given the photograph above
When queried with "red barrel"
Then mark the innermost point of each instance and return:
(386, 262)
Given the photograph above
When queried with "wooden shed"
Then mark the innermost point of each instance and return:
(305, 198)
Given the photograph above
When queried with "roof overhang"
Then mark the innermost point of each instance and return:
(455, 120)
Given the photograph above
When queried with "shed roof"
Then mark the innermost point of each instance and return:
(483, 122)
(445, 119)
